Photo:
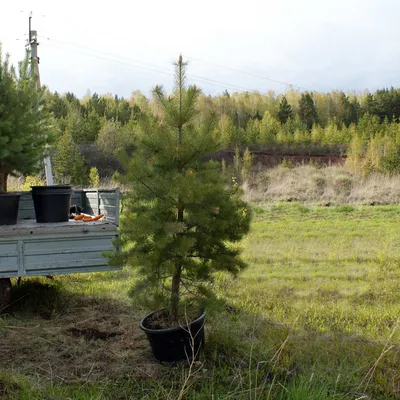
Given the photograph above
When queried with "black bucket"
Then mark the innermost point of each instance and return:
(52, 203)
(9, 203)
(178, 343)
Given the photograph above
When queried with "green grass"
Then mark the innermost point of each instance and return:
(314, 316)
(324, 269)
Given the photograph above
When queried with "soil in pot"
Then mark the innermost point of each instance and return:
(9, 203)
(52, 203)
(181, 342)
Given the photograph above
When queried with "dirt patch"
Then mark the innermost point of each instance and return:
(93, 334)
(93, 340)
(162, 319)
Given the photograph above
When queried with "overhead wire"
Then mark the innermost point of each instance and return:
(248, 73)
(145, 67)
(208, 80)
(105, 53)
(113, 60)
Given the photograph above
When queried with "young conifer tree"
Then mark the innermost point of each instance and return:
(181, 217)
(25, 122)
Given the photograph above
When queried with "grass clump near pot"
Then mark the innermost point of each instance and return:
(181, 217)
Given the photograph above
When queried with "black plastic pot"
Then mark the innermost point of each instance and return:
(9, 203)
(52, 203)
(178, 343)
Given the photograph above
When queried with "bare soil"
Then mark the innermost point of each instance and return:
(91, 340)
(162, 319)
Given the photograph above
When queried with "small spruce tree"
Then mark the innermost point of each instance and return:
(285, 110)
(307, 110)
(181, 215)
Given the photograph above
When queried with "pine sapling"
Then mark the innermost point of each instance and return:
(181, 216)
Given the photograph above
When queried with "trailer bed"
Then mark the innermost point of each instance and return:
(32, 249)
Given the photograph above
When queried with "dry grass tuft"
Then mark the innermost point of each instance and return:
(327, 185)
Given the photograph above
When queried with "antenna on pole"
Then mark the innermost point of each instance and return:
(33, 43)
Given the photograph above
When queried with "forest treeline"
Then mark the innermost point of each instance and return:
(363, 125)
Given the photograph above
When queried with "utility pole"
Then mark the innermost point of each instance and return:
(33, 43)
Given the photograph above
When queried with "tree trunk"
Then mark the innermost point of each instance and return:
(176, 282)
(3, 181)
(176, 279)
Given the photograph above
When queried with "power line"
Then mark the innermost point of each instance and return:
(63, 42)
(211, 81)
(113, 60)
(249, 73)
(162, 70)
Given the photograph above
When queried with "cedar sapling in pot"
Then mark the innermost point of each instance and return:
(25, 122)
(181, 217)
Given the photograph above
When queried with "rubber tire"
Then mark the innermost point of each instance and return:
(5, 293)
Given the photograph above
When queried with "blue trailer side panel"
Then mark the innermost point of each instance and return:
(32, 249)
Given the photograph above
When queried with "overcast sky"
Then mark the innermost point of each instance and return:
(121, 46)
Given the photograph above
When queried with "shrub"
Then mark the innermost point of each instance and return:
(319, 182)
(287, 163)
(31, 180)
(342, 184)
(94, 178)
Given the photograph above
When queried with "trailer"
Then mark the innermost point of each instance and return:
(39, 249)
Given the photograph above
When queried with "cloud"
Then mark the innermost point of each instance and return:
(322, 45)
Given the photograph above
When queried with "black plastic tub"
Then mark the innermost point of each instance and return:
(9, 203)
(52, 203)
(178, 343)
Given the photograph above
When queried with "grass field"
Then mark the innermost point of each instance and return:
(315, 316)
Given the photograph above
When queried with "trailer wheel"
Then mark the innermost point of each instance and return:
(5, 293)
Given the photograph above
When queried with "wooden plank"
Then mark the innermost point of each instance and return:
(8, 248)
(9, 273)
(51, 226)
(55, 267)
(69, 245)
(26, 214)
(70, 270)
(41, 262)
(103, 190)
(9, 262)
(93, 202)
(107, 195)
(8, 258)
